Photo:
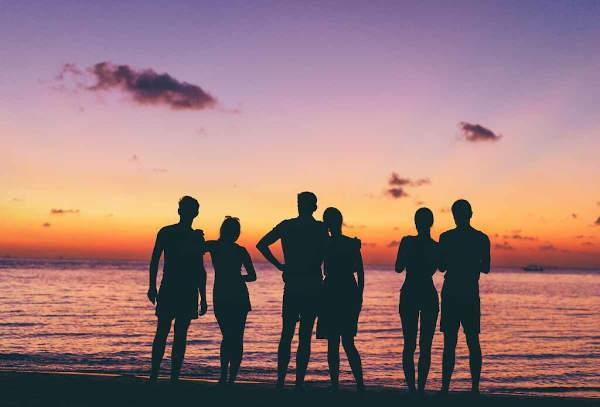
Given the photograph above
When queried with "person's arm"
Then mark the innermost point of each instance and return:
(202, 274)
(443, 254)
(436, 258)
(401, 257)
(485, 255)
(153, 270)
(202, 290)
(247, 262)
(266, 241)
(360, 273)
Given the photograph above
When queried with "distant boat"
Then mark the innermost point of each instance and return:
(533, 267)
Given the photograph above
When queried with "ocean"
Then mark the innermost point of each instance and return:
(540, 330)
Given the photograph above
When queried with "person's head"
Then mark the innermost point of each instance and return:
(230, 229)
(307, 203)
(188, 208)
(462, 212)
(423, 219)
(332, 217)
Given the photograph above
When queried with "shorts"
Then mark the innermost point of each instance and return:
(300, 302)
(456, 312)
(177, 303)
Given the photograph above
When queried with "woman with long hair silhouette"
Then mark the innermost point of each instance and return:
(342, 298)
(231, 300)
(419, 255)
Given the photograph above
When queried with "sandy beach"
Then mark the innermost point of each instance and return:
(61, 389)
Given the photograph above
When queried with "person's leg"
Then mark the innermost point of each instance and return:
(409, 315)
(354, 360)
(163, 327)
(474, 360)
(448, 358)
(333, 360)
(237, 345)
(224, 350)
(305, 332)
(285, 347)
(428, 323)
(179, 344)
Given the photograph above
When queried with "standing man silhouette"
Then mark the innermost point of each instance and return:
(183, 278)
(464, 254)
(303, 240)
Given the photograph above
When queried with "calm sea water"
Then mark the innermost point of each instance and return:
(540, 331)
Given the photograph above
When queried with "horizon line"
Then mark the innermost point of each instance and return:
(262, 262)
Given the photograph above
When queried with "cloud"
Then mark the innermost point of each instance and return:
(67, 70)
(396, 192)
(395, 179)
(393, 243)
(598, 221)
(135, 157)
(351, 226)
(587, 244)
(397, 185)
(518, 236)
(368, 244)
(548, 247)
(145, 86)
(476, 132)
(504, 246)
(445, 210)
(46, 225)
(63, 211)
(574, 215)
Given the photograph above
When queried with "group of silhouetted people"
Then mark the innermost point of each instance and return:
(319, 268)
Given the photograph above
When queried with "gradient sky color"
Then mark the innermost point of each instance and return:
(325, 96)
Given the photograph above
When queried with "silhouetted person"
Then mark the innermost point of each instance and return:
(303, 241)
(419, 255)
(183, 278)
(230, 294)
(342, 298)
(464, 254)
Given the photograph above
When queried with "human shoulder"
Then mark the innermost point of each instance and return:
(240, 249)
(166, 230)
(449, 234)
(408, 239)
(285, 224)
(482, 236)
(353, 242)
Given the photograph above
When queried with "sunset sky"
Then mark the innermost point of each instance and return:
(377, 107)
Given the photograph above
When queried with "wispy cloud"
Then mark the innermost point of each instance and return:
(63, 211)
(46, 224)
(574, 215)
(548, 247)
(352, 226)
(475, 133)
(597, 223)
(144, 86)
(504, 246)
(397, 185)
(393, 243)
(519, 236)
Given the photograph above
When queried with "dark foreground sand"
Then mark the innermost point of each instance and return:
(42, 389)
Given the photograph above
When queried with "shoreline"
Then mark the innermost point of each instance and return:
(94, 389)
